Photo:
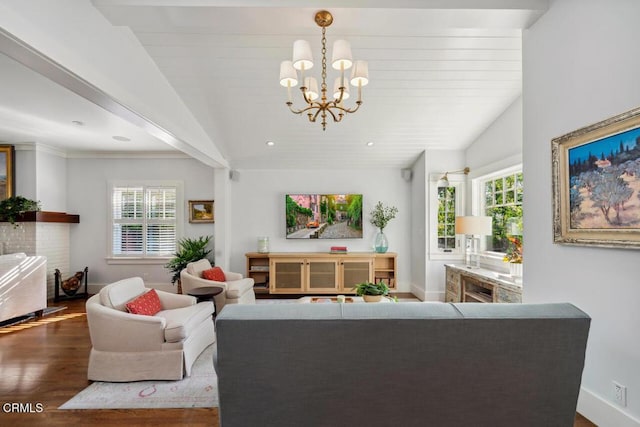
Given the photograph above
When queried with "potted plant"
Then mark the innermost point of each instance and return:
(514, 256)
(371, 292)
(189, 250)
(13, 207)
(380, 217)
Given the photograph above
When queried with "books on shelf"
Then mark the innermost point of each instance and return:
(338, 249)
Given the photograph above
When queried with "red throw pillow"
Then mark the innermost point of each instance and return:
(147, 304)
(215, 274)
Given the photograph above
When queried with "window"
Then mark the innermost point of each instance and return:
(502, 200)
(447, 203)
(446, 218)
(144, 220)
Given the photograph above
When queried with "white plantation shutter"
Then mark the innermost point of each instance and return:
(144, 220)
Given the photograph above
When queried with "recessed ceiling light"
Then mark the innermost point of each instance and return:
(271, 143)
(121, 138)
(77, 122)
(370, 144)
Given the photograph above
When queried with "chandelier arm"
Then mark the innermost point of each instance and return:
(302, 110)
(349, 110)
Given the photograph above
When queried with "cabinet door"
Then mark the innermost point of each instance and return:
(354, 271)
(287, 275)
(322, 276)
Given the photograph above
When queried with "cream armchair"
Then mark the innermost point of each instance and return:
(134, 347)
(237, 290)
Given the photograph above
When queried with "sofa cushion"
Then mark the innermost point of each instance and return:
(237, 288)
(147, 304)
(215, 274)
(180, 322)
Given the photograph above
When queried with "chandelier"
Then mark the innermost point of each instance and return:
(340, 60)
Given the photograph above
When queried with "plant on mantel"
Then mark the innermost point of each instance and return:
(13, 207)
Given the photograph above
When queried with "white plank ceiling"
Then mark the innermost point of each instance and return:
(440, 73)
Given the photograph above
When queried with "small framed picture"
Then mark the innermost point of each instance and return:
(201, 211)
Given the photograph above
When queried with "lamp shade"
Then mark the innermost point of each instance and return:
(341, 56)
(360, 73)
(336, 89)
(312, 87)
(288, 75)
(443, 181)
(302, 57)
(474, 225)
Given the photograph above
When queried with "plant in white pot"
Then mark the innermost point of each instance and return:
(371, 292)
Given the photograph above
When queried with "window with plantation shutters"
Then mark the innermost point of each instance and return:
(144, 220)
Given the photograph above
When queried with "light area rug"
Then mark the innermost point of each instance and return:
(200, 390)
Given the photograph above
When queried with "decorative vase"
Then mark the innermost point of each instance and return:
(380, 243)
(372, 298)
(515, 269)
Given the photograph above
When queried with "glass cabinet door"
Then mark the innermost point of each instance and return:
(355, 271)
(287, 275)
(323, 275)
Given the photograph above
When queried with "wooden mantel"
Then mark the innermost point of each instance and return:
(45, 216)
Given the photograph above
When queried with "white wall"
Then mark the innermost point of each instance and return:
(258, 207)
(87, 196)
(41, 174)
(419, 228)
(51, 181)
(581, 66)
(25, 172)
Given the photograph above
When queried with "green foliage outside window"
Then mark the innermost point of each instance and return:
(503, 202)
(446, 217)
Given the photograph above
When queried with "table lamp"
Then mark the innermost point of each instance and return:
(473, 226)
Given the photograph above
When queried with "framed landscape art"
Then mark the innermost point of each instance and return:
(201, 211)
(7, 174)
(596, 184)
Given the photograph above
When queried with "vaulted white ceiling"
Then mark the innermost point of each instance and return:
(440, 73)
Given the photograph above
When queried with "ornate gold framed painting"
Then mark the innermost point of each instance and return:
(596, 184)
(201, 211)
(7, 172)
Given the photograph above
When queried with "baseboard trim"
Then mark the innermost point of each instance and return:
(418, 292)
(602, 412)
(434, 296)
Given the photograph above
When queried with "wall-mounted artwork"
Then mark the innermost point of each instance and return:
(323, 216)
(7, 172)
(596, 184)
(201, 211)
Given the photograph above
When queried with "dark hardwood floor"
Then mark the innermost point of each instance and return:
(44, 363)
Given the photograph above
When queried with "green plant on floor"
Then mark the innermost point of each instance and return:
(12, 207)
(189, 250)
(368, 288)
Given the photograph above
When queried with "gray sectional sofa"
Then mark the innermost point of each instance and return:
(406, 364)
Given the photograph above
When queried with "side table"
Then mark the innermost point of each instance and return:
(207, 293)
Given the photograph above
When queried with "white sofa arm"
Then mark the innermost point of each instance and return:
(231, 276)
(170, 301)
(190, 281)
(106, 326)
